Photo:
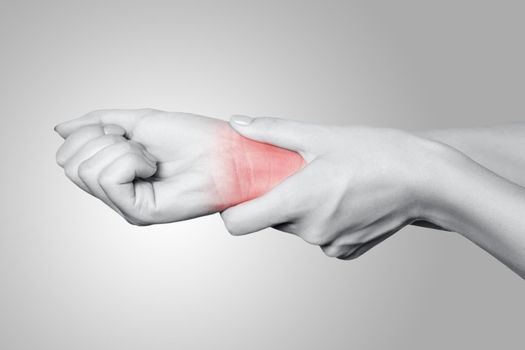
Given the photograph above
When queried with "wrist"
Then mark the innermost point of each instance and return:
(441, 184)
(459, 193)
(246, 169)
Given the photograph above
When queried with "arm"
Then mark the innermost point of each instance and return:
(365, 184)
(360, 186)
(484, 207)
(500, 148)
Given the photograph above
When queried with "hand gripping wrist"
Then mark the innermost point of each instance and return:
(247, 169)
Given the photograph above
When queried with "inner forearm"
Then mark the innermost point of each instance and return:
(500, 148)
(482, 206)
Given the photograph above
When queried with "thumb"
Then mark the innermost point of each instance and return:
(283, 133)
(124, 183)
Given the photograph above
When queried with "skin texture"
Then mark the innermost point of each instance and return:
(157, 167)
(364, 184)
(386, 179)
(496, 147)
(249, 168)
(359, 185)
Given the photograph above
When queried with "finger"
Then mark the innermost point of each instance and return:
(360, 250)
(282, 204)
(73, 143)
(124, 118)
(87, 151)
(82, 136)
(349, 251)
(90, 169)
(292, 135)
(121, 183)
(112, 129)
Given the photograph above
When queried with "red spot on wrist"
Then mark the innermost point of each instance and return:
(247, 169)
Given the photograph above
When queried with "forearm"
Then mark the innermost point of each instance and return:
(484, 207)
(500, 148)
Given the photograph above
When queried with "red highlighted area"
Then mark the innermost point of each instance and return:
(250, 168)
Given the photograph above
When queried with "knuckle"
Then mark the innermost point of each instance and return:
(266, 123)
(136, 222)
(126, 146)
(60, 160)
(133, 159)
(119, 146)
(113, 139)
(310, 237)
(313, 235)
(85, 169)
(70, 171)
(105, 179)
(331, 250)
(351, 254)
(127, 157)
(337, 251)
(144, 213)
(105, 143)
(138, 216)
(59, 156)
(136, 146)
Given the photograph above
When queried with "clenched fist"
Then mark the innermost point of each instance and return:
(157, 167)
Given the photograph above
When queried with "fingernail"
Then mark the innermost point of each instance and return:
(241, 120)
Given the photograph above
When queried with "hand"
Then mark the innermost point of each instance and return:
(360, 186)
(156, 167)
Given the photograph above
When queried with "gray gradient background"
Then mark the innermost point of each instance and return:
(74, 275)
